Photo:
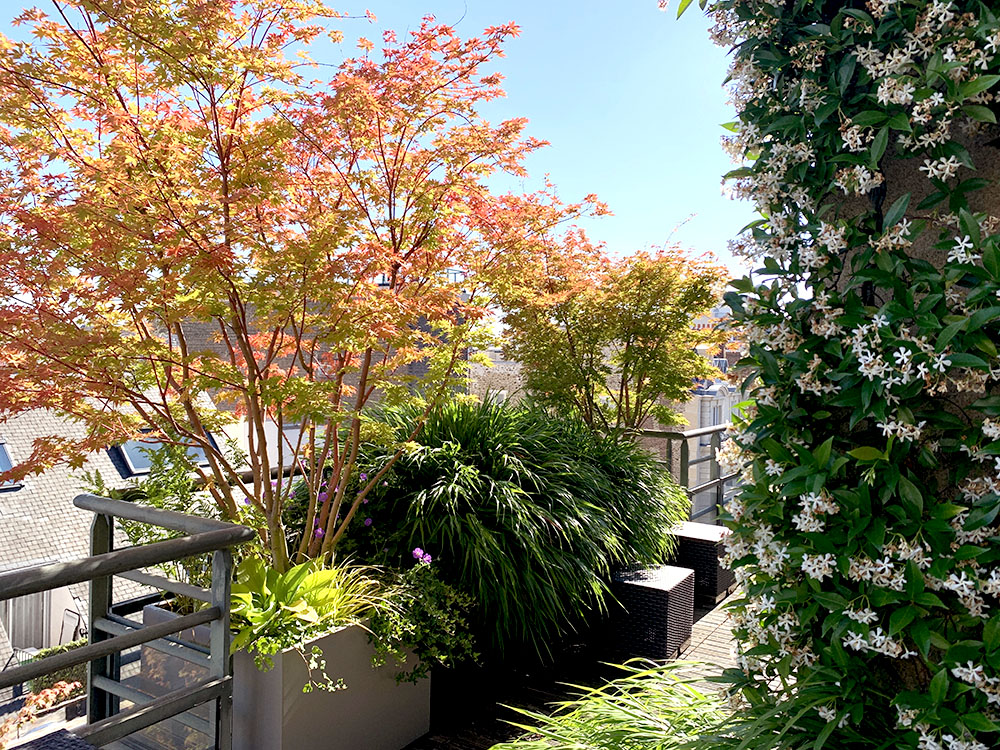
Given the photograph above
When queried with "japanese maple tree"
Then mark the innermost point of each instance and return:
(194, 231)
(614, 339)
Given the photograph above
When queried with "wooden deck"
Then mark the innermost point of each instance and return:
(477, 718)
(711, 646)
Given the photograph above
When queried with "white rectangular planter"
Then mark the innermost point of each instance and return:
(270, 711)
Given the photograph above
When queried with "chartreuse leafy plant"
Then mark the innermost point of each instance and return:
(201, 227)
(866, 536)
(273, 611)
(525, 513)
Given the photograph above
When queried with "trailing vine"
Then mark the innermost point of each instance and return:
(866, 536)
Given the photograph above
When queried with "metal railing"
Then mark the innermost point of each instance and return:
(679, 461)
(111, 634)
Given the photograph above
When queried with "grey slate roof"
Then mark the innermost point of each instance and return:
(38, 521)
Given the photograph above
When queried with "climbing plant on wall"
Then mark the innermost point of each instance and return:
(866, 537)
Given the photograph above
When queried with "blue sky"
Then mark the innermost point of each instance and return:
(630, 99)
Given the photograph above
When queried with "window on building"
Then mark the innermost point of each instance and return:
(6, 465)
(136, 454)
(27, 620)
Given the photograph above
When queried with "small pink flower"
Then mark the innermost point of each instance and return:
(319, 533)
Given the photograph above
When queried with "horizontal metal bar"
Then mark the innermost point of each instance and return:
(665, 434)
(44, 577)
(674, 435)
(192, 652)
(136, 604)
(692, 491)
(133, 719)
(165, 584)
(168, 519)
(704, 512)
(140, 698)
(119, 622)
(96, 650)
(700, 460)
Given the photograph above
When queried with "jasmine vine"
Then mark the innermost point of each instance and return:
(865, 538)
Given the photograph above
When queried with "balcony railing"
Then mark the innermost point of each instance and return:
(111, 634)
(708, 495)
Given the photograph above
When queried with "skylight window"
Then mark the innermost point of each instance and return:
(137, 458)
(6, 465)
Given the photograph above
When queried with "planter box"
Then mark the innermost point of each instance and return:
(270, 711)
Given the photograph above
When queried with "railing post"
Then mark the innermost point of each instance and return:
(101, 704)
(221, 661)
(685, 471)
(713, 468)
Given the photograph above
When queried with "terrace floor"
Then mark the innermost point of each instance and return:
(478, 718)
(465, 719)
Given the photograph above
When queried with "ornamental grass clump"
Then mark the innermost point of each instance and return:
(649, 708)
(866, 537)
(525, 512)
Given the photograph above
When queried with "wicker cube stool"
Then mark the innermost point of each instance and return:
(700, 547)
(658, 611)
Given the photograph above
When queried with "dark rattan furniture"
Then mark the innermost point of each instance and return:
(700, 547)
(658, 611)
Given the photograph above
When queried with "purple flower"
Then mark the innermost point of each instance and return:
(365, 501)
(385, 484)
(368, 522)
(246, 501)
(426, 559)
(364, 477)
(319, 533)
(417, 553)
(322, 497)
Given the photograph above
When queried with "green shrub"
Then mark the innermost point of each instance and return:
(524, 512)
(647, 709)
(69, 674)
(424, 615)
